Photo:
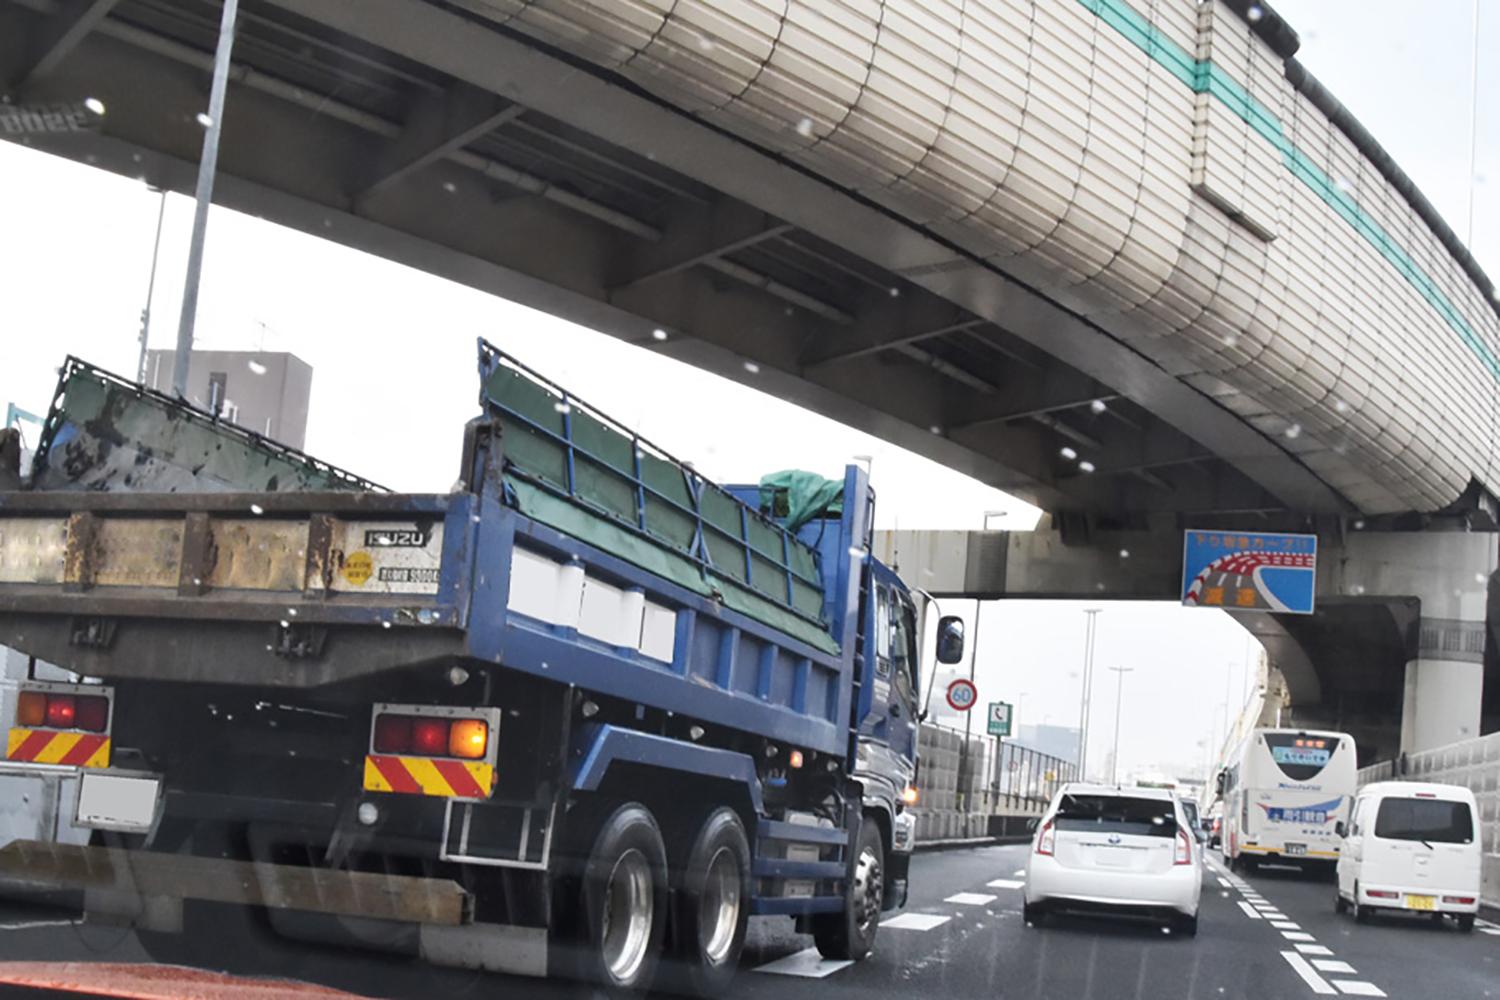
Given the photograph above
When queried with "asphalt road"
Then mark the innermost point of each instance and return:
(1272, 935)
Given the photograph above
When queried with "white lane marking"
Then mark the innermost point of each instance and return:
(1358, 988)
(915, 921)
(1490, 930)
(806, 963)
(1273, 914)
(1314, 981)
(1484, 923)
(1004, 883)
(1249, 911)
(1226, 883)
(1333, 965)
(970, 898)
(1285, 925)
(1297, 936)
(1019, 872)
(26, 925)
(1313, 949)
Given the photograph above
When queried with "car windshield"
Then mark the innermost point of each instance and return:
(1116, 814)
(1436, 821)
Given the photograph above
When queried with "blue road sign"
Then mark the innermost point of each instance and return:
(1249, 571)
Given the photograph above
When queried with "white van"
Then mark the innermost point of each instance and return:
(1411, 846)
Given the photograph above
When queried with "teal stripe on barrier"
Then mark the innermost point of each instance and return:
(1204, 76)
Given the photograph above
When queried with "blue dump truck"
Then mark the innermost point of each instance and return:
(583, 715)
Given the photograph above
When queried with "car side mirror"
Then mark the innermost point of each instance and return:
(950, 639)
(1340, 829)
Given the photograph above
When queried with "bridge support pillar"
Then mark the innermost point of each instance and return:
(1448, 572)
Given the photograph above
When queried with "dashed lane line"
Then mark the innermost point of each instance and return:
(1333, 965)
(1249, 910)
(1313, 949)
(1005, 883)
(1285, 925)
(1358, 988)
(915, 921)
(807, 964)
(1298, 936)
(1309, 975)
(970, 898)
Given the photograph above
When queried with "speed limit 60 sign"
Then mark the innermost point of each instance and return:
(962, 695)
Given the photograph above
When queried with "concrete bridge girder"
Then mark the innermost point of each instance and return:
(1399, 633)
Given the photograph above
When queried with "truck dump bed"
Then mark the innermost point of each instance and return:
(576, 552)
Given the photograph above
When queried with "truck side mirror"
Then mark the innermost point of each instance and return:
(950, 639)
(1219, 783)
(1340, 829)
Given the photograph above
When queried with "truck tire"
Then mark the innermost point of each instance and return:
(620, 915)
(850, 933)
(711, 909)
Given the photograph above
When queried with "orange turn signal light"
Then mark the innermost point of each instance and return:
(468, 738)
(794, 759)
(31, 709)
(909, 795)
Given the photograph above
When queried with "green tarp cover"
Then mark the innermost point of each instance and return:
(808, 496)
(638, 504)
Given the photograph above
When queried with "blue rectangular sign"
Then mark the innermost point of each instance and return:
(1249, 571)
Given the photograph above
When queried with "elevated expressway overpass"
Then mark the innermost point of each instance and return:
(1126, 259)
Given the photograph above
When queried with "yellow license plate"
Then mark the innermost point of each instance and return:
(1421, 902)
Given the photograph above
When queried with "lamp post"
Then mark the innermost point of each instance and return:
(1120, 672)
(1090, 627)
(963, 757)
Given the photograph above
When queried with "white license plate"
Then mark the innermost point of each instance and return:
(1295, 850)
(124, 802)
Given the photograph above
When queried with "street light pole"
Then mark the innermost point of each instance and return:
(963, 757)
(1114, 768)
(1083, 698)
(161, 213)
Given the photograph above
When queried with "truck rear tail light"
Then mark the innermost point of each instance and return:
(469, 738)
(31, 709)
(1047, 839)
(429, 737)
(91, 713)
(1460, 900)
(1183, 855)
(60, 711)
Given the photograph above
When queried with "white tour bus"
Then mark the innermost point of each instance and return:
(1284, 790)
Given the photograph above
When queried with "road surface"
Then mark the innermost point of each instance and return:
(1271, 935)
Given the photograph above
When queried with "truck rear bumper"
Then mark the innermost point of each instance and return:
(155, 878)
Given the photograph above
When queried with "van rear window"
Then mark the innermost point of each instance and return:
(1116, 814)
(1433, 820)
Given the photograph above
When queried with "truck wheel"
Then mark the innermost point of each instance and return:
(849, 933)
(712, 908)
(622, 903)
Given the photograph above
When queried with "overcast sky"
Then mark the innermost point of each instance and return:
(393, 355)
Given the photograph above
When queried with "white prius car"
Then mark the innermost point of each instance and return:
(1106, 849)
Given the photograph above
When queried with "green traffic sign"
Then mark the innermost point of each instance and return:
(999, 718)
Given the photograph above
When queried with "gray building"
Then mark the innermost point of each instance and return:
(262, 391)
(1058, 741)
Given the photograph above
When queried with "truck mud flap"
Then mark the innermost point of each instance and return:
(149, 875)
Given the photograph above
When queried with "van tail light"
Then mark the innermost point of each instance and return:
(1046, 840)
(1183, 854)
(1381, 894)
(1460, 900)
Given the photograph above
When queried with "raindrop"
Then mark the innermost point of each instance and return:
(285, 623)
(1067, 453)
(1341, 406)
(385, 624)
(1230, 340)
(805, 127)
(1097, 406)
(94, 104)
(197, 581)
(752, 367)
(562, 407)
(257, 509)
(1357, 589)
(204, 120)
(544, 665)
(857, 551)
(1085, 466)
(894, 292)
(705, 43)
(1481, 578)
(450, 187)
(1343, 184)
(1359, 525)
(292, 612)
(935, 429)
(1295, 431)
(1124, 553)
(256, 368)
(327, 223)
(135, 157)
(658, 334)
(1255, 13)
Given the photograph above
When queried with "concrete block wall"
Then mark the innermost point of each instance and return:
(1474, 764)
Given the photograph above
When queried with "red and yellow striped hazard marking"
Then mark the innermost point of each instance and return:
(43, 746)
(462, 779)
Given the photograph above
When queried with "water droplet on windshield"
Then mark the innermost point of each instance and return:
(1067, 453)
(257, 509)
(894, 292)
(1359, 525)
(752, 367)
(94, 104)
(935, 429)
(1255, 13)
(1085, 466)
(385, 624)
(1481, 578)
(203, 119)
(449, 186)
(658, 334)
(256, 368)
(1341, 406)
(1294, 431)
(562, 407)
(1343, 184)
(1097, 406)
(705, 43)
(1124, 553)
(805, 127)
